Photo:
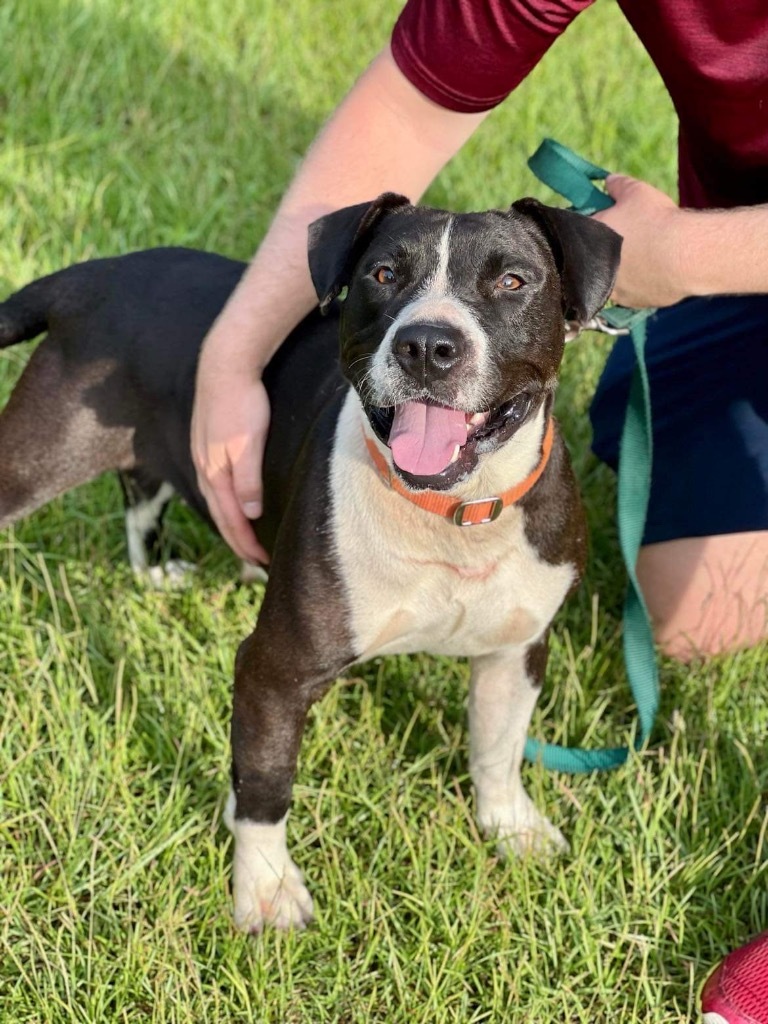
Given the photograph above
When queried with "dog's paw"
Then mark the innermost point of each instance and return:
(542, 841)
(523, 831)
(268, 887)
(176, 574)
(250, 573)
(268, 897)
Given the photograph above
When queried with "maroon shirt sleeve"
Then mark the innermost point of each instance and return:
(468, 55)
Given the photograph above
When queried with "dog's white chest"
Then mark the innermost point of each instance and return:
(415, 582)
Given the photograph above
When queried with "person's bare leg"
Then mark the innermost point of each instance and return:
(707, 595)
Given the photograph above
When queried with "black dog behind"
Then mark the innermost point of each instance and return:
(436, 417)
(112, 386)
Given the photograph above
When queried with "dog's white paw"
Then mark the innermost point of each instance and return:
(174, 575)
(268, 894)
(268, 887)
(542, 841)
(250, 573)
(523, 831)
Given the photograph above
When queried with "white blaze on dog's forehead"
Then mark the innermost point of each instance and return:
(434, 303)
(437, 283)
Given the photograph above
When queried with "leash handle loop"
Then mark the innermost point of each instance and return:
(573, 177)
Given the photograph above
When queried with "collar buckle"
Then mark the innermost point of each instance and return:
(495, 508)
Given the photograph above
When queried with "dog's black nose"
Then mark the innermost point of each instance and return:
(428, 351)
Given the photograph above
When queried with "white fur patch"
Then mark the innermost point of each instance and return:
(438, 283)
(140, 520)
(414, 581)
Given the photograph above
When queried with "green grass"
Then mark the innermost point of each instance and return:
(126, 125)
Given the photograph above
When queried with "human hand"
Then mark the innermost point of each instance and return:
(652, 262)
(229, 430)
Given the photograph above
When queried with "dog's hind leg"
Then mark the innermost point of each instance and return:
(146, 500)
(51, 438)
(145, 503)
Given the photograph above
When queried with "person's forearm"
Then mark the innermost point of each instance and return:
(723, 252)
(671, 254)
(385, 136)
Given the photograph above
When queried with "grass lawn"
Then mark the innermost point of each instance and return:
(128, 125)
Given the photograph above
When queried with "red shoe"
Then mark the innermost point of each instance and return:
(736, 992)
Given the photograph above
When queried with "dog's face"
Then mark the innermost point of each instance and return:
(452, 329)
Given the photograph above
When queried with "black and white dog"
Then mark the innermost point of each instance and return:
(418, 496)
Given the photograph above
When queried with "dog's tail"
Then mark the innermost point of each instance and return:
(24, 314)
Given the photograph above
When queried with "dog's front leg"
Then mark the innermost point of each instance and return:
(504, 687)
(271, 701)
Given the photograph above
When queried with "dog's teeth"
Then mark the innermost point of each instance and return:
(476, 421)
(456, 451)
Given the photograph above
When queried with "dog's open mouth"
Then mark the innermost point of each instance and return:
(435, 446)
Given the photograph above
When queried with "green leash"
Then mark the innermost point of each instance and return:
(573, 177)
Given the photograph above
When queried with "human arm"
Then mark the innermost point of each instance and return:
(671, 253)
(385, 136)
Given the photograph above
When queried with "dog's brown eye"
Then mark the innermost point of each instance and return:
(509, 282)
(385, 275)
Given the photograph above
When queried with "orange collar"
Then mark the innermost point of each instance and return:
(464, 513)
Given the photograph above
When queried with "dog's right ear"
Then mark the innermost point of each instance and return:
(337, 240)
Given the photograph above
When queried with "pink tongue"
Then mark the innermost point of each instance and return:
(423, 437)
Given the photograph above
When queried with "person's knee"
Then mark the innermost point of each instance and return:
(707, 595)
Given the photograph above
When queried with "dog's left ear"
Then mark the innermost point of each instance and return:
(337, 241)
(586, 252)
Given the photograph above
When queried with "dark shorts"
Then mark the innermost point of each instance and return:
(708, 369)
